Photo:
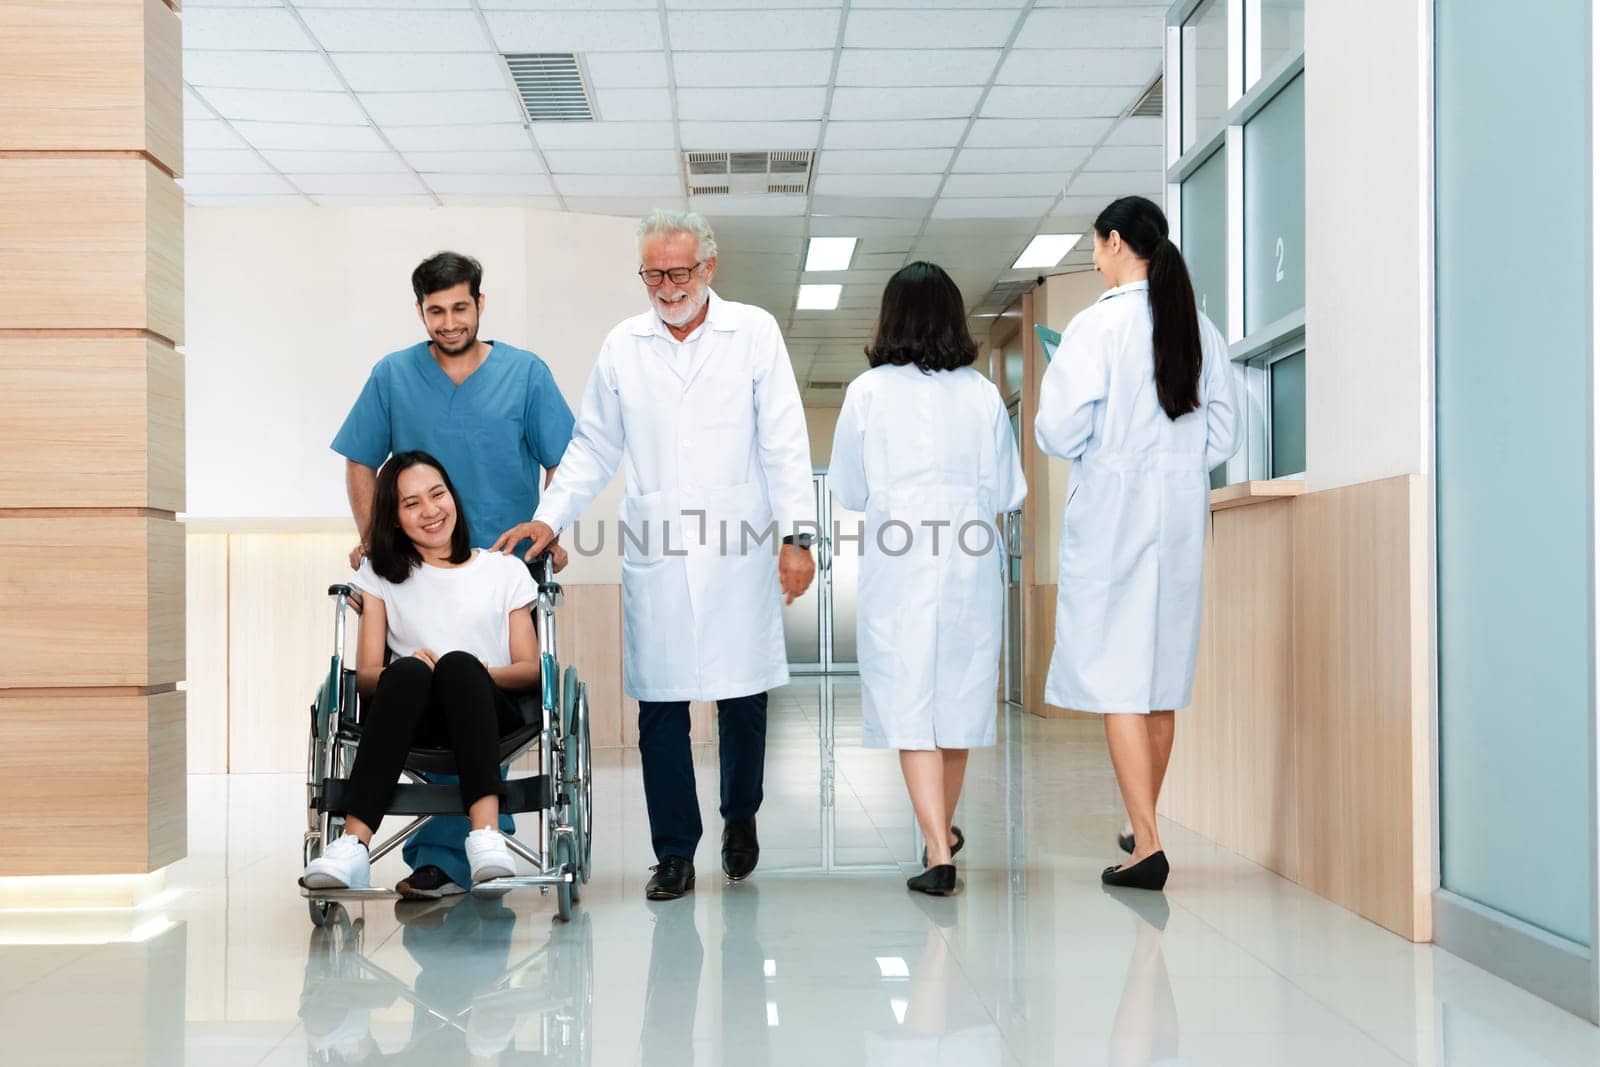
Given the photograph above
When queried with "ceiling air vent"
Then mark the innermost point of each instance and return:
(747, 173)
(1149, 105)
(552, 87)
(1003, 295)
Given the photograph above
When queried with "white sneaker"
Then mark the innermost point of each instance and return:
(344, 865)
(489, 856)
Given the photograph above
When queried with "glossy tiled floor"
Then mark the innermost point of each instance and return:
(822, 958)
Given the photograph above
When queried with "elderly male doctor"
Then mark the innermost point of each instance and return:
(699, 396)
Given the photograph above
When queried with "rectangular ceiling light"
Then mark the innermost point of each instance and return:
(1046, 250)
(819, 297)
(830, 253)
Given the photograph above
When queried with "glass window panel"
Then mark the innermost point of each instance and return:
(1205, 71)
(1219, 476)
(1275, 209)
(843, 579)
(802, 620)
(1283, 31)
(1205, 237)
(1514, 567)
(1288, 387)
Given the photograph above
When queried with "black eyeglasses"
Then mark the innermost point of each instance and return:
(679, 275)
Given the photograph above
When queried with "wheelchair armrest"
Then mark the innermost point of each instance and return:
(345, 591)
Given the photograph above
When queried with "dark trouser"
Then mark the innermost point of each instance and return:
(669, 792)
(456, 706)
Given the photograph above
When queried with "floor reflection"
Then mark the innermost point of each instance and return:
(468, 1002)
(822, 958)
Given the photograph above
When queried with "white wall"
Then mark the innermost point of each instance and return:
(1369, 235)
(288, 308)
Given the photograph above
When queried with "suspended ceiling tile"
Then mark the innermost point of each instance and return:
(1011, 160)
(574, 31)
(928, 133)
(440, 109)
(267, 105)
(334, 162)
(1055, 101)
(1138, 131)
(883, 161)
(627, 70)
(258, 29)
(1080, 66)
(619, 185)
(1037, 133)
(908, 66)
(396, 31)
(1019, 207)
(1049, 183)
(1115, 157)
(916, 185)
(604, 135)
(713, 70)
(1105, 27)
(633, 105)
(238, 69)
(523, 162)
(749, 205)
(751, 104)
(490, 184)
(210, 133)
(754, 30)
(928, 29)
(223, 161)
(507, 136)
(421, 71)
(749, 136)
(629, 207)
(1116, 183)
(358, 184)
(310, 137)
(233, 184)
(900, 104)
(638, 161)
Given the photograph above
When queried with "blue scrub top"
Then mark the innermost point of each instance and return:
(492, 432)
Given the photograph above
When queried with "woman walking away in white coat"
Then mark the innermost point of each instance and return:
(924, 448)
(1140, 396)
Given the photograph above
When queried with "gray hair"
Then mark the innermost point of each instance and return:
(663, 223)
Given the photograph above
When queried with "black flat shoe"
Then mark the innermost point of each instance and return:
(673, 878)
(937, 881)
(1149, 873)
(955, 832)
(1125, 843)
(740, 849)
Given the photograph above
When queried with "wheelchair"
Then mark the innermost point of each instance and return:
(561, 794)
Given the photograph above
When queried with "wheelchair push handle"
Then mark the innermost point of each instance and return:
(543, 569)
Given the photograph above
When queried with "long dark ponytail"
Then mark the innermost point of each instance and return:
(1174, 317)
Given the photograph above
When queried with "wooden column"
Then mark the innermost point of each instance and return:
(92, 760)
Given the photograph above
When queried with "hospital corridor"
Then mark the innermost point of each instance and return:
(750, 533)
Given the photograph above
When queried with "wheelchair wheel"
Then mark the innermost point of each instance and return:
(564, 894)
(583, 813)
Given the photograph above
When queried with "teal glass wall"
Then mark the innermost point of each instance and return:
(1275, 209)
(1283, 31)
(1287, 378)
(1513, 163)
(1205, 237)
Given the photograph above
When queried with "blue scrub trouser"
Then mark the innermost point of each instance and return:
(669, 792)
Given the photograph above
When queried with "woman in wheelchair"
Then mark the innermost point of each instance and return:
(456, 620)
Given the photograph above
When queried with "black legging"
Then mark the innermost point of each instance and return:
(456, 705)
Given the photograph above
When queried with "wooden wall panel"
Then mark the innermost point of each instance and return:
(207, 670)
(1308, 746)
(280, 621)
(90, 783)
(91, 601)
(91, 75)
(98, 241)
(1253, 682)
(1362, 672)
(91, 422)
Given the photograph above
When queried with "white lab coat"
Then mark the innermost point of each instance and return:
(918, 449)
(723, 434)
(1133, 527)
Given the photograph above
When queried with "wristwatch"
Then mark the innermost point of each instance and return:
(803, 540)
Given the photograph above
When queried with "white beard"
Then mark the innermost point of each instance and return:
(684, 310)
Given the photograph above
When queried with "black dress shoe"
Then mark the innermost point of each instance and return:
(937, 881)
(673, 878)
(955, 832)
(1125, 843)
(740, 849)
(1149, 873)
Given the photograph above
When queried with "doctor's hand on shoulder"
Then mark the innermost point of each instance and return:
(542, 537)
(796, 569)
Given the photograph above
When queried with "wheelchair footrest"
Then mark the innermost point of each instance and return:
(517, 795)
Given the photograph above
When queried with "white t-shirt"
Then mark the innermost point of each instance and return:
(448, 609)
